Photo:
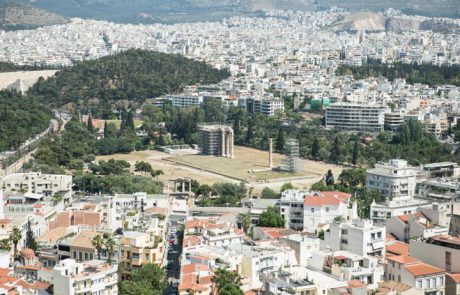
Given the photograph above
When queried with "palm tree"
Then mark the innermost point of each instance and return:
(246, 221)
(5, 245)
(109, 244)
(98, 243)
(15, 237)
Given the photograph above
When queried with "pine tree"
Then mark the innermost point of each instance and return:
(354, 159)
(90, 123)
(130, 121)
(315, 148)
(336, 151)
(106, 131)
(30, 239)
(280, 140)
(250, 132)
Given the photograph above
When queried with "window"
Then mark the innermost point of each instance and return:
(441, 281)
(399, 278)
(448, 260)
(327, 209)
(312, 210)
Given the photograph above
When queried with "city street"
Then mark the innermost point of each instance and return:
(173, 260)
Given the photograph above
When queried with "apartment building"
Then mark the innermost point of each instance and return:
(359, 236)
(269, 106)
(139, 248)
(395, 179)
(442, 169)
(303, 210)
(411, 271)
(393, 120)
(260, 260)
(347, 266)
(452, 284)
(266, 105)
(291, 206)
(37, 183)
(282, 282)
(185, 100)
(355, 117)
(324, 207)
(442, 251)
(91, 277)
(416, 225)
(79, 247)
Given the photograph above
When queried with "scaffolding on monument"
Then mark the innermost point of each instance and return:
(292, 162)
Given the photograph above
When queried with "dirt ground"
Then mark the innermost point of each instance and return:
(249, 165)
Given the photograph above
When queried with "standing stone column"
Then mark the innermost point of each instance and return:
(232, 141)
(223, 142)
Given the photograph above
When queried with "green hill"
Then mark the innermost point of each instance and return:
(133, 76)
(20, 119)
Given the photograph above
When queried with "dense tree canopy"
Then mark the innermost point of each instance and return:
(133, 75)
(413, 73)
(271, 218)
(227, 282)
(9, 67)
(20, 119)
(150, 279)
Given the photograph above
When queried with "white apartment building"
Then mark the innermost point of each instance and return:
(185, 100)
(303, 246)
(347, 266)
(269, 106)
(36, 183)
(325, 207)
(356, 117)
(291, 208)
(260, 260)
(440, 251)
(92, 277)
(380, 212)
(359, 236)
(395, 180)
(303, 210)
(410, 226)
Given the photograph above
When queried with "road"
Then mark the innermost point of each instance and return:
(173, 265)
(17, 165)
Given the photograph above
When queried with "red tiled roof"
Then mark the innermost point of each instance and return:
(403, 259)
(398, 248)
(194, 267)
(195, 282)
(423, 269)
(314, 201)
(356, 284)
(326, 198)
(455, 277)
(405, 218)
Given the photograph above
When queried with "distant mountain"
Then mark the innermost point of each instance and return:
(17, 16)
(151, 11)
(370, 21)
